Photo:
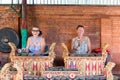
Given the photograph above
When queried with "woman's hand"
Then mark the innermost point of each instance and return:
(25, 50)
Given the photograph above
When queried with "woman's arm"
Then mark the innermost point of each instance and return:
(28, 43)
(89, 46)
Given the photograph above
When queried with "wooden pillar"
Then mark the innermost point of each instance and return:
(24, 31)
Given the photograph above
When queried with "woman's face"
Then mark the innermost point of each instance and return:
(80, 31)
(35, 31)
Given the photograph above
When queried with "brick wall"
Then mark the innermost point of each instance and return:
(8, 18)
(58, 25)
(116, 40)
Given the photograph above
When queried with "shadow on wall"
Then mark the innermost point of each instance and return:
(58, 61)
(3, 61)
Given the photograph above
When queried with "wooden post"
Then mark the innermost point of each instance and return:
(24, 5)
(24, 31)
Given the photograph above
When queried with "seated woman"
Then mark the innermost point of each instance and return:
(81, 44)
(36, 43)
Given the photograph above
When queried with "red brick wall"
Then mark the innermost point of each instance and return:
(116, 41)
(8, 18)
(58, 25)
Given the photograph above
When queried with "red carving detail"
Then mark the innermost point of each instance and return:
(105, 73)
(49, 75)
(94, 66)
(72, 75)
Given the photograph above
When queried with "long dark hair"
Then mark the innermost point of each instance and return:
(40, 33)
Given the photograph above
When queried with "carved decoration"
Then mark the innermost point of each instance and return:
(51, 50)
(5, 72)
(104, 53)
(81, 69)
(36, 63)
(65, 50)
(19, 75)
(95, 65)
(79, 62)
(13, 50)
(108, 69)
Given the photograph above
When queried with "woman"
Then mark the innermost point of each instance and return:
(36, 43)
(81, 44)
